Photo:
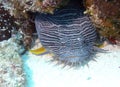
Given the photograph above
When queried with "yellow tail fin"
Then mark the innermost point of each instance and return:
(38, 51)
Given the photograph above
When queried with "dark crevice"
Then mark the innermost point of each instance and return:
(76, 4)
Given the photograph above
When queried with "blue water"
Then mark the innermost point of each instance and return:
(29, 81)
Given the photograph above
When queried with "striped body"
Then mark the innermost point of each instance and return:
(68, 34)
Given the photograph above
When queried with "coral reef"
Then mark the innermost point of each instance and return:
(27, 29)
(7, 24)
(11, 70)
(106, 16)
(22, 11)
(20, 23)
(18, 7)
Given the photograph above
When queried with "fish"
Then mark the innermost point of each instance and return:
(69, 34)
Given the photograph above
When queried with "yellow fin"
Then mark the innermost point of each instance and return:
(38, 51)
(100, 45)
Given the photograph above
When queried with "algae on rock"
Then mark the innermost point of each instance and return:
(106, 16)
(11, 65)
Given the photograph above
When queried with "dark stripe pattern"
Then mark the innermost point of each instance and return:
(68, 34)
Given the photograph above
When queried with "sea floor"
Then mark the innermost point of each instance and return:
(104, 72)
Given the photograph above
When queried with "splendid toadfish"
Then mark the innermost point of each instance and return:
(68, 34)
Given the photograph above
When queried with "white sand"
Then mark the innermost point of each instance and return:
(103, 73)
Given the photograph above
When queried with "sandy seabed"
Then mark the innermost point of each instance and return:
(105, 72)
(37, 70)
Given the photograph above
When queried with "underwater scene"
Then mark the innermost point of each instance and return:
(59, 43)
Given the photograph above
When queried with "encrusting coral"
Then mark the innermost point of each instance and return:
(10, 24)
(106, 16)
(7, 24)
(18, 7)
(11, 70)
(20, 23)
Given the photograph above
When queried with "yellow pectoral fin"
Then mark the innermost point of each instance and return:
(38, 51)
(100, 45)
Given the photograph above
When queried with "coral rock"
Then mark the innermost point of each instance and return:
(7, 23)
(106, 16)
